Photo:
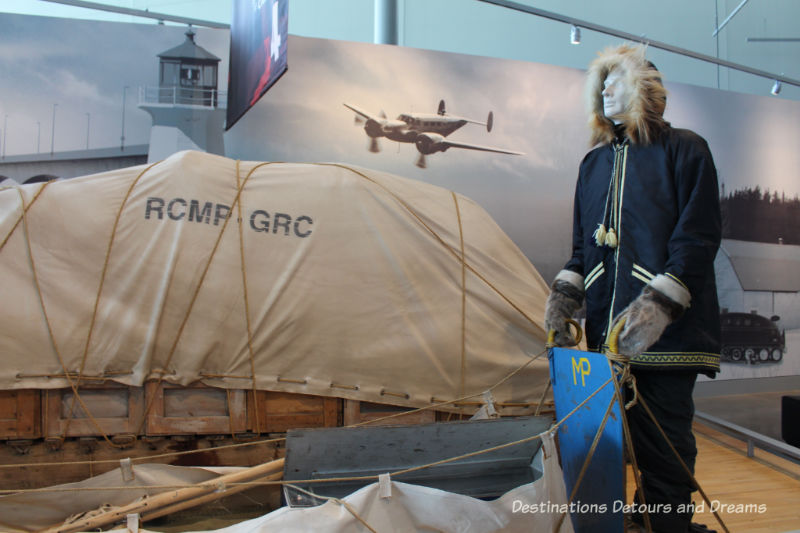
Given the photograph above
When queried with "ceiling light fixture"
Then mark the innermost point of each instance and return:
(575, 35)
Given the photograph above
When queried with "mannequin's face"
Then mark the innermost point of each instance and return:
(616, 96)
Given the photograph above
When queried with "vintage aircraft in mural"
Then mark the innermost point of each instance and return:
(425, 130)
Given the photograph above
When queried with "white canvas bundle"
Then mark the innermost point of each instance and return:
(353, 279)
(534, 506)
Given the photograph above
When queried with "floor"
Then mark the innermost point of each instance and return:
(751, 495)
(727, 475)
(759, 412)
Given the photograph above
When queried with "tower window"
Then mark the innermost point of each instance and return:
(190, 75)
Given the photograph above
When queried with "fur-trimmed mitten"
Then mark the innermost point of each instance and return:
(565, 298)
(661, 302)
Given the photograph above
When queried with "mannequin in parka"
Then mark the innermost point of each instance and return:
(646, 230)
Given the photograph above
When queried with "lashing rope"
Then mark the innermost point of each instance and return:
(196, 291)
(463, 297)
(622, 363)
(343, 503)
(74, 384)
(92, 321)
(240, 186)
(447, 247)
(247, 309)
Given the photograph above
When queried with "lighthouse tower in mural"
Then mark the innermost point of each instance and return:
(187, 109)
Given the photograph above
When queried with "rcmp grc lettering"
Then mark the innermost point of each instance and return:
(193, 211)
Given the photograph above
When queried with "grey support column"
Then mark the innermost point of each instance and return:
(385, 22)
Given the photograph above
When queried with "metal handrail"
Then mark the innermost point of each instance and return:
(752, 438)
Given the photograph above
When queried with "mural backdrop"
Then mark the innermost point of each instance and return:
(320, 111)
(87, 75)
(66, 83)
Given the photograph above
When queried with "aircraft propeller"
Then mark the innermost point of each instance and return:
(374, 147)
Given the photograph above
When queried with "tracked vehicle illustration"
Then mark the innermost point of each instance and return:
(751, 338)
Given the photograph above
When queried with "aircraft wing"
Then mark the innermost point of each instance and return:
(361, 112)
(453, 144)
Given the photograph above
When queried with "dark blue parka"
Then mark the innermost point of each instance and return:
(662, 199)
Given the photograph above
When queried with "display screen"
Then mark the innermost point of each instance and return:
(259, 32)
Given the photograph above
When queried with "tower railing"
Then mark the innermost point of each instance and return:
(192, 96)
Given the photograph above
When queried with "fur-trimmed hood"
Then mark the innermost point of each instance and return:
(643, 120)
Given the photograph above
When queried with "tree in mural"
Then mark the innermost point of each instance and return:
(753, 214)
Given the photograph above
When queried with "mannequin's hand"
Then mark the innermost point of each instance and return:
(565, 298)
(646, 318)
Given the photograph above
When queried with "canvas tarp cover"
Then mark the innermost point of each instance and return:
(325, 279)
(535, 506)
(35, 511)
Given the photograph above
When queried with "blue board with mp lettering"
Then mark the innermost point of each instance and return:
(575, 375)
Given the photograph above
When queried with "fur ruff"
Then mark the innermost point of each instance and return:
(672, 290)
(573, 278)
(643, 120)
